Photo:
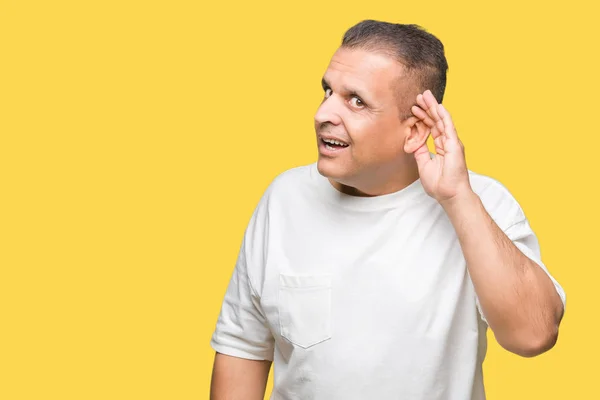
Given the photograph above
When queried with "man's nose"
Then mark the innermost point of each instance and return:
(328, 112)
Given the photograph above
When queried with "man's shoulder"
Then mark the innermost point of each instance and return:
(486, 185)
(500, 203)
(289, 184)
(295, 174)
(291, 180)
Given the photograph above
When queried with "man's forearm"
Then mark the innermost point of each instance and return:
(517, 297)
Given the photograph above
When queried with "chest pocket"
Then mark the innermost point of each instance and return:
(305, 309)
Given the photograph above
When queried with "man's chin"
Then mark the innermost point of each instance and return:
(331, 169)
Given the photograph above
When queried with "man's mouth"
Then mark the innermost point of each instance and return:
(332, 144)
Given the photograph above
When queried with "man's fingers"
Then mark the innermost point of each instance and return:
(428, 103)
(438, 119)
(422, 156)
(448, 124)
(423, 116)
(421, 102)
(439, 145)
(431, 105)
(436, 128)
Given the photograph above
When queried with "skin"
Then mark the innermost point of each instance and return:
(361, 107)
(366, 96)
(236, 378)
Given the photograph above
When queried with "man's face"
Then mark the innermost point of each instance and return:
(362, 110)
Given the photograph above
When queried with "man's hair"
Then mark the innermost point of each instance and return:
(421, 53)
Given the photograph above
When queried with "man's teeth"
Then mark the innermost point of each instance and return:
(331, 141)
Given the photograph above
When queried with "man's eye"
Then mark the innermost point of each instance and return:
(356, 102)
(328, 92)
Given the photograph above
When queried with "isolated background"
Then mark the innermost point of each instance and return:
(138, 136)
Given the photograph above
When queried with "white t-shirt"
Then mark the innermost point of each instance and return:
(361, 297)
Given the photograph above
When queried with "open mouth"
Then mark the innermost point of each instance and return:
(331, 144)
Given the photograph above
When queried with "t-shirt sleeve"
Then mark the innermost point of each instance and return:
(242, 329)
(509, 216)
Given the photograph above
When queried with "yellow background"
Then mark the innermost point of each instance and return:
(138, 136)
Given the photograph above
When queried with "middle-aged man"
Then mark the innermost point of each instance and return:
(375, 272)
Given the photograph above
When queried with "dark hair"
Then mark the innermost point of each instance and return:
(421, 53)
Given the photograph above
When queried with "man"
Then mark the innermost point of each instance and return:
(375, 272)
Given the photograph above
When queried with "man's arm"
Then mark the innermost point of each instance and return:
(235, 378)
(242, 340)
(517, 297)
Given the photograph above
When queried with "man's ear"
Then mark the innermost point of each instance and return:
(417, 137)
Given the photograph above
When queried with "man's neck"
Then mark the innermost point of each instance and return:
(373, 186)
